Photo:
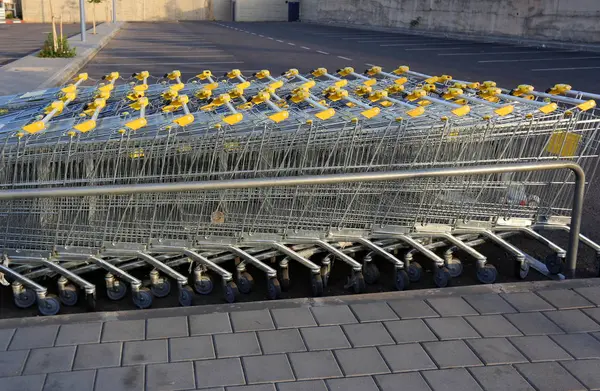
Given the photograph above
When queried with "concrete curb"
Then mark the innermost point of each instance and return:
(301, 302)
(465, 36)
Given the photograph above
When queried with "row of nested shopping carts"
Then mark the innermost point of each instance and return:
(143, 130)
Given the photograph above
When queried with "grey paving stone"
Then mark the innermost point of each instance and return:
(11, 363)
(527, 302)
(573, 321)
(173, 376)
(533, 323)
(324, 338)
(5, 337)
(373, 312)
(77, 380)
(411, 309)
(407, 357)
(549, 376)
(222, 372)
(236, 344)
(209, 324)
(145, 352)
(500, 378)
(311, 385)
(586, 371)
(34, 337)
(361, 361)
(333, 315)
(579, 345)
(314, 365)
(564, 298)
(494, 351)
(78, 333)
(451, 380)
(451, 306)
(451, 328)
(402, 381)
(591, 293)
(451, 354)
(594, 313)
(120, 379)
(176, 326)
(489, 304)
(353, 384)
(293, 317)
(267, 369)
(410, 330)
(281, 341)
(124, 330)
(367, 334)
(540, 348)
(191, 348)
(493, 326)
(46, 360)
(23, 383)
(251, 320)
(253, 387)
(98, 355)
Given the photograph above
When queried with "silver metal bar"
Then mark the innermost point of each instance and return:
(163, 268)
(208, 263)
(335, 251)
(87, 286)
(584, 239)
(520, 255)
(456, 242)
(248, 257)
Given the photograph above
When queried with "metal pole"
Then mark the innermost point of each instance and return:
(114, 11)
(576, 210)
(82, 19)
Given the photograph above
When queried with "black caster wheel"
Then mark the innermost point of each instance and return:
(231, 292)
(325, 275)
(143, 298)
(25, 299)
(441, 277)
(48, 306)
(414, 271)
(402, 281)
(316, 285)
(117, 292)
(522, 270)
(358, 285)
(554, 263)
(273, 289)
(487, 274)
(162, 289)
(245, 282)
(186, 295)
(370, 272)
(68, 295)
(90, 301)
(204, 285)
(455, 267)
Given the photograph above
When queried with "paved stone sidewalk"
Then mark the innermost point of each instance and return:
(490, 339)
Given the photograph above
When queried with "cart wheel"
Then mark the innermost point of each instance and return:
(358, 284)
(284, 278)
(273, 289)
(598, 264)
(402, 281)
(117, 292)
(90, 301)
(522, 270)
(245, 282)
(162, 289)
(487, 274)
(455, 267)
(25, 299)
(371, 272)
(186, 295)
(231, 292)
(142, 298)
(441, 277)
(68, 295)
(49, 305)
(204, 285)
(316, 284)
(533, 201)
(325, 275)
(554, 263)
(415, 270)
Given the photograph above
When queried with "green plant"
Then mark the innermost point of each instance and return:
(93, 3)
(62, 49)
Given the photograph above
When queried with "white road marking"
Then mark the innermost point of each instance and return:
(304, 47)
(147, 65)
(396, 41)
(427, 44)
(253, 33)
(292, 44)
(563, 69)
(318, 51)
(437, 48)
(260, 35)
(373, 36)
(161, 56)
(370, 65)
(543, 59)
(345, 58)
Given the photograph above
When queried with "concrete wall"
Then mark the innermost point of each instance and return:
(564, 20)
(38, 11)
(261, 10)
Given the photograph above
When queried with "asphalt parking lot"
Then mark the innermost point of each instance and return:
(19, 40)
